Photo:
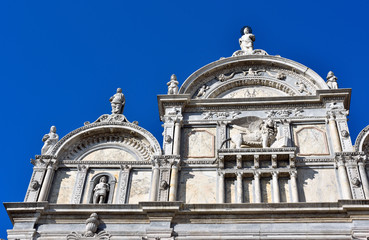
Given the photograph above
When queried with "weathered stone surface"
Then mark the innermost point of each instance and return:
(197, 186)
(109, 154)
(198, 143)
(63, 185)
(311, 139)
(140, 186)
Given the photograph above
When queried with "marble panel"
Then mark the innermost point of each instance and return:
(284, 189)
(140, 186)
(62, 188)
(198, 142)
(197, 186)
(109, 154)
(317, 185)
(266, 190)
(311, 139)
(230, 190)
(91, 173)
(247, 190)
(252, 92)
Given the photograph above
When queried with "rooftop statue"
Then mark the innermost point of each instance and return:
(173, 85)
(247, 44)
(117, 102)
(49, 140)
(247, 40)
(332, 80)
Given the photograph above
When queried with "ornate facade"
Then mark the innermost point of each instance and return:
(254, 147)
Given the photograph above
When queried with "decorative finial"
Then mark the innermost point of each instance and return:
(117, 102)
(173, 85)
(49, 140)
(332, 80)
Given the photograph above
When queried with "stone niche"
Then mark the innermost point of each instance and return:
(311, 140)
(198, 143)
(197, 186)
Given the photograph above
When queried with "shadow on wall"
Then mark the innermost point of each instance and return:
(303, 177)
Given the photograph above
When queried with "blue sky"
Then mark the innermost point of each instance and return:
(60, 61)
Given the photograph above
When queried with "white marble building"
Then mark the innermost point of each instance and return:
(254, 147)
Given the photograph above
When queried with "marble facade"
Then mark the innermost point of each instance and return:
(254, 147)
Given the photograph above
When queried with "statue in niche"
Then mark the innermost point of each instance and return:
(247, 40)
(101, 191)
(117, 102)
(173, 85)
(254, 133)
(49, 140)
(332, 80)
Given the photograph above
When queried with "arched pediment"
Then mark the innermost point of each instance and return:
(362, 141)
(266, 75)
(107, 141)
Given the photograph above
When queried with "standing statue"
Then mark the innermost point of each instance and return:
(49, 140)
(117, 102)
(173, 85)
(247, 40)
(268, 132)
(332, 80)
(101, 191)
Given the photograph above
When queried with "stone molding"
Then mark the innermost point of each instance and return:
(362, 141)
(108, 125)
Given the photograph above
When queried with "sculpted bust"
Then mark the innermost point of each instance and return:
(101, 191)
(49, 140)
(117, 102)
(247, 40)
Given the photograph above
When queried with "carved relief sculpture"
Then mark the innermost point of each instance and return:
(101, 191)
(258, 134)
(332, 80)
(92, 224)
(117, 102)
(49, 140)
(173, 85)
(202, 91)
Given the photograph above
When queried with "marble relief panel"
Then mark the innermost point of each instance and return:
(247, 190)
(252, 92)
(317, 185)
(197, 186)
(140, 186)
(311, 139)
(62, 188)
(230, 190)
(109, 154)
(198, 142)
(266, 190)
(284, 190)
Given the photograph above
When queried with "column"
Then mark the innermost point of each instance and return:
(47, 182)
(364, 179)
(276, 197)
(334, 134)
(239, 188)
(257, 187)
(173, 182)
(221, 197)
(177, 137)
(344, 182)
(155, 181)
(295, 194)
